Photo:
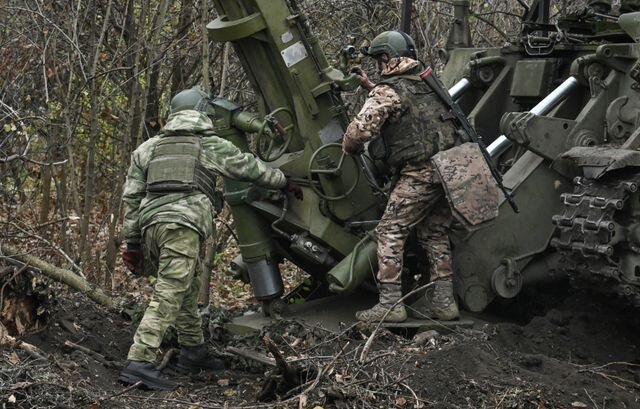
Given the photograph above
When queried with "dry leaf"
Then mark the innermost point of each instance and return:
(14, 358)
(229, 393)
(401, 401)
(223, 382)
(577, 404)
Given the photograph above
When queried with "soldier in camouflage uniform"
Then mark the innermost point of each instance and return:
(604, 6)
(402, 117)
(169, 206)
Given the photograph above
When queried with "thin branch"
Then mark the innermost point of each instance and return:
(369, 342)
(52, 245)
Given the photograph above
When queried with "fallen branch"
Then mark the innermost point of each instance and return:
(59, 274)
(55, 247)
(122, 392)
(167, 357)
(321, 371)
(254, 356)
(93, 354)
(6, 339)
(419, 402)
(281, 363)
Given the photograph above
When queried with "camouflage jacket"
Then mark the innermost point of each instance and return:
(191, 209)
(383, 103)
(407, 116)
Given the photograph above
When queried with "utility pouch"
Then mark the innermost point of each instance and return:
(175, 167)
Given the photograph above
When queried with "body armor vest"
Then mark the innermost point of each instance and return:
(420, 132)
(175, 167)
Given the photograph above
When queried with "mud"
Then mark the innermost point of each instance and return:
(582, 353)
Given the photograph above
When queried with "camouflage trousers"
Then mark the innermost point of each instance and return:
(173, 251)
(416, 201)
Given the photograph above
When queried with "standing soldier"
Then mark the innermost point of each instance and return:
(405, 117)
(169, 205)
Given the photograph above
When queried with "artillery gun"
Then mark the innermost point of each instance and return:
(558, 109)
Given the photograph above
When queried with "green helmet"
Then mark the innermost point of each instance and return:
(191, 98)
(394, 44)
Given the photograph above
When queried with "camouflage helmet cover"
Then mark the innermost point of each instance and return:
(394, 44)
(188, 99)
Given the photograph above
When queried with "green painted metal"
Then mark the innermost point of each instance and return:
(354, 269)
(301, 91)
(221, 29)
(330, 239)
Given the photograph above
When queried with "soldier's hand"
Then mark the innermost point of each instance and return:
(351, 148)
(133, 258)
(295, 189)
(363, 78)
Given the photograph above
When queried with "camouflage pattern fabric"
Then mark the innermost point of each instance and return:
(397, 66)
(420, 131)
(416, 201)
(173, 251)
(468, 184)
(383, 102)
(190, 209)
(405, 116)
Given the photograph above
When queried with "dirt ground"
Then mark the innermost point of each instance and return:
(579, 352)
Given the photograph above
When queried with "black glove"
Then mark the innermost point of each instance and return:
(133, 258)
(293, 188)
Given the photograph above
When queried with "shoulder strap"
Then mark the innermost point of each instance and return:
(410, 77)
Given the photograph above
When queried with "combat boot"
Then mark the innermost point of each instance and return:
(197, 358)
(443, 305)
(148, 374)
(389, 295)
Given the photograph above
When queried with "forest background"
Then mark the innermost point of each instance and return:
(86, 81)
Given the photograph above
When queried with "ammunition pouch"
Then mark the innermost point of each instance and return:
(175, 167)
(468, 184)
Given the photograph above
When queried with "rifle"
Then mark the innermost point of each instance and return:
(429, 77)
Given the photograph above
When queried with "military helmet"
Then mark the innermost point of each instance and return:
(394, 44)
(191, 98)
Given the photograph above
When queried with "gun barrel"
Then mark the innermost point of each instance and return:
(545, 106)
(558, 95)
(459, 88)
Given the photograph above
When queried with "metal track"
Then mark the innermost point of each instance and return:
(589, 237)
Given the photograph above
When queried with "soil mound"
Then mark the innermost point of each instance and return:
(580, 354)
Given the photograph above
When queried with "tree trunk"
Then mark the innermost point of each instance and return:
(152, 103)
(206, 80)
(85, 248)
(179, 73)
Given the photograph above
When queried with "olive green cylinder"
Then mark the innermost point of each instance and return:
(355, 268)
(254, 232)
